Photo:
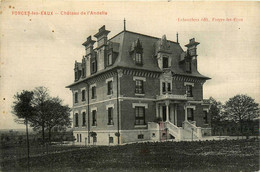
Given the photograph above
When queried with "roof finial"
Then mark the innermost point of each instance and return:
(124, 25)
(177, 36)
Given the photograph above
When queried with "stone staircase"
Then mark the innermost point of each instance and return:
(188, 131)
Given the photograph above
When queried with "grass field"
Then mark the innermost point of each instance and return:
(225, 155)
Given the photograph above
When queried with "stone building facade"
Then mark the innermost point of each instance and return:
(134, 87)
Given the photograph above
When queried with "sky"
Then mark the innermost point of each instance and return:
(40, 50)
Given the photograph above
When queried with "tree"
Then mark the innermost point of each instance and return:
(241, 108)
(57, 115)
(25, 111)
(216, 111)
(46, 112)
(41, 95)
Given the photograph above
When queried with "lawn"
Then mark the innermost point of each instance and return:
(225, 155)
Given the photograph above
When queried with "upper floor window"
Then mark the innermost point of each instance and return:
(166, 87)
(84, 119)
(76, 120)
(188, 66)
(76, 97)
(190, 113)
(139, 115)
(138, 58)
(83, 95)
(109, 59)
(110, 116)
(109, 87)
(165, 62)
(189, 90)
(169, 89)
(139, 86)
(93, 92)
(94, 118)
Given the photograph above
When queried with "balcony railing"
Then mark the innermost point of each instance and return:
(171, 96)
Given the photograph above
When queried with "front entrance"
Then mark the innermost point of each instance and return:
(164, 113)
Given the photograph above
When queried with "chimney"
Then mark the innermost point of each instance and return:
(192, 47)
(102, 36)
(192, 50)
(89, 45)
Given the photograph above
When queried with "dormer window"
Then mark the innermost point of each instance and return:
(136, 52)
(138, 58)
(93, 66)
(165, 62)
(188, 66)
(109, 59)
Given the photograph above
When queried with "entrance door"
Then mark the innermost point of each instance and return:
(164, 113)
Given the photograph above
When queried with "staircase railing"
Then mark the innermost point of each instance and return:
(189, 126)
(174, 130)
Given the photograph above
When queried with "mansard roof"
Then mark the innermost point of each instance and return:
(123, 43)
(149, 60)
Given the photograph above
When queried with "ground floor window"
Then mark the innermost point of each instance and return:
(140, 136)
(94, 118)
(139, 115)
(205, 117)
(111, 140)
(95, 139)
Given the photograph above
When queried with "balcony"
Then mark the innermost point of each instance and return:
(171, 96)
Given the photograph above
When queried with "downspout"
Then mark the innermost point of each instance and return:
(88, 117)
(117, 99)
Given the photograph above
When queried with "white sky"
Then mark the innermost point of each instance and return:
(33, 55)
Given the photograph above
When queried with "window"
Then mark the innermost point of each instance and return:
(84, 119)
(93, 91)
(93, 66)
(189, 90)
(76, 120)
(139, 116)
(109, 59)
(138, 58)
(110, 116)
(111, 140)
(77, 137)
(109, 87)
(83, 72)
(188, 66)
(139, 87)
(80, 140)
(76, 97)
(190, 114)
(94, 118)
(76, 75)
(83, 95)
(205, 117)
(140, 136)
(163, 87)
(169, 87)
(165, 62)
(95, 139)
